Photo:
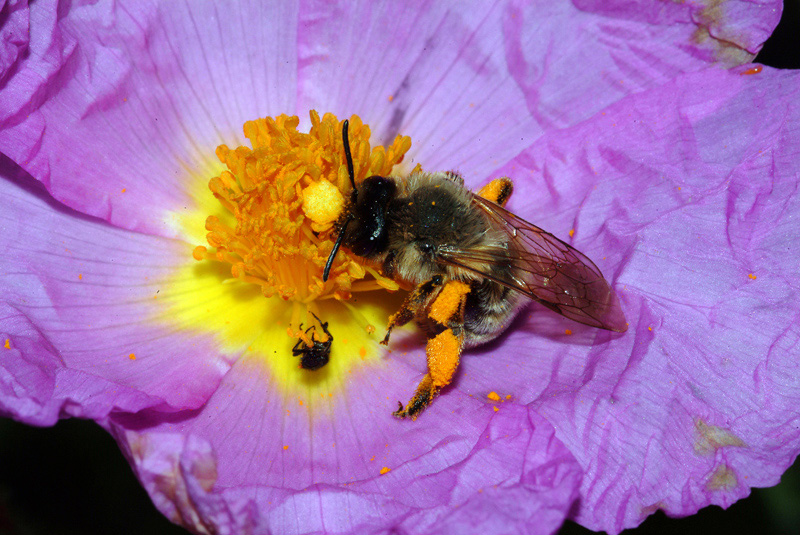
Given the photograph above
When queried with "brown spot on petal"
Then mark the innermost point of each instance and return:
(709, 438)
(717, 35)
(204, 469)
(137, 446)
(723, 478)
(650, 509)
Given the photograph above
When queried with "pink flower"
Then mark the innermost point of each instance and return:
(635, 132)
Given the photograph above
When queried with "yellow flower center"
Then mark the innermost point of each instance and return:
(273, 227)
(285, 194)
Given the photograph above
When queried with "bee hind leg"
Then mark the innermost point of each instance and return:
(443, 350)
(498, 190)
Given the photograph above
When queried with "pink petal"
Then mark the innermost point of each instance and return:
(131, 97)
(687, 196)
(79, 316)
(14, 38)
(657, 418)
(136, 97)
(475, 87)
(253, 458)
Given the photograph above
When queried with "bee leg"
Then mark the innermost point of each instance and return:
(498, 190)
(455, 177)
(443, 350)
(412, 303)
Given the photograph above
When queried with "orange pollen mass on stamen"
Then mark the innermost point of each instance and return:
(282, 197)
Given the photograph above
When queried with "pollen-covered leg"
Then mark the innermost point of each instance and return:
(498, 190)
(410, 306)
(443, 350)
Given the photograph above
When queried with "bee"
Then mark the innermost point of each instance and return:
(315, 356)
(470, 264)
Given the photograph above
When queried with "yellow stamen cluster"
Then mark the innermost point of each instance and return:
(281, 199)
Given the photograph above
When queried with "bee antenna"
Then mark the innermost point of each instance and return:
(335, 249)
(347, 155)
(349, 158)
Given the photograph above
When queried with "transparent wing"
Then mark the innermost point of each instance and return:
(544, 268)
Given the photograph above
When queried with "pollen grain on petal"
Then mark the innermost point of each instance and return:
(752, 70)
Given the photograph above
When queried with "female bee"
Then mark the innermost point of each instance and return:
(471, 263)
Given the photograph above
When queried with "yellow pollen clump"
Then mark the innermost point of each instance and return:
(282, 197)
(494, 396)
(322, 203)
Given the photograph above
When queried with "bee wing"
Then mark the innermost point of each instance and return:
(544, 268)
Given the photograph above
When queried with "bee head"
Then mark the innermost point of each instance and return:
(367, 234)
(366, 213)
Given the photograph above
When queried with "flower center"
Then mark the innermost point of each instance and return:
(280, 200)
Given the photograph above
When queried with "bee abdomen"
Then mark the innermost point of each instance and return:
(489, 309)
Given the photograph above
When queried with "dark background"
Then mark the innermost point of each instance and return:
(72, 479)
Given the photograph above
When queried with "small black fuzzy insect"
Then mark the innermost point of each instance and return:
(316, 356)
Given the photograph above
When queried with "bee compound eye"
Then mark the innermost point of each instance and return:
(426, 247)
